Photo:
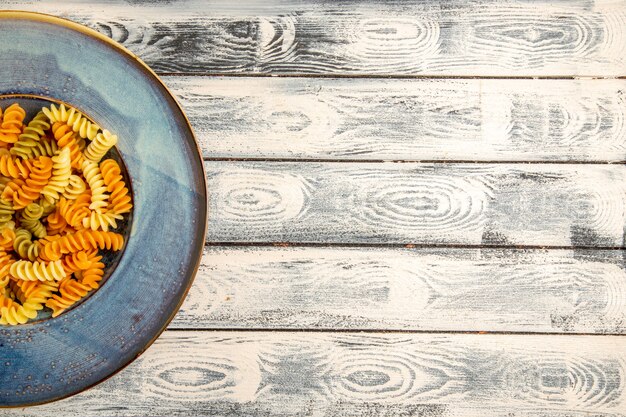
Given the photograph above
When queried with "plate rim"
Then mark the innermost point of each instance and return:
(91, 33)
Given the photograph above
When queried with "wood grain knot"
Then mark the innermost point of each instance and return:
(385, 43)
(575, 381)
(519, 37)
(193, 374)
(386, 375)
(260, 197)
(433, 204)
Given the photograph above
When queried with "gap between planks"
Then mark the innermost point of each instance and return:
(410, 161)
(407, 245)
(391, 76)
(382, 330)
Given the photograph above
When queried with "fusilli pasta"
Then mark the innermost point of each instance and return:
(60, 204)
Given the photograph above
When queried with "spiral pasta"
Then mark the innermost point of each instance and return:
(82, 240)
(31, 136)
(67, 139)
(13, 167)
(11, 124)
(60, 179)
(73, 118)
(12, 312)
(100, 146)
(56, 222)
(99, 196)
(119, 202)
(75, 187)
(42, 271)
(24, 246)
(34, 184)
(61, 202)
(30, 219)
(77, 261)
(6, 212)
(70, 292)
(75, 211)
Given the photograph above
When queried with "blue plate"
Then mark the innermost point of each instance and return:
(46, 57)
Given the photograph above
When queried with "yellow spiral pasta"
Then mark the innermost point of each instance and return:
(12, 312)
(73, 118)
(60, 207)
(75, 187)
(101, 221)
(6, 260)
(60, 179)
(37, 271)
(46, 206)
(47, 146)
(100, 145)
(99, 196)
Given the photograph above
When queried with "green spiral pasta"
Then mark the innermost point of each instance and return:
(6, 212)
(47, 206)
(31, 136)
(24, 245)
(45, 147)
(30, 220)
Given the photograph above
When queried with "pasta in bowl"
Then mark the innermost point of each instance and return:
(89, 277)
(59, 196)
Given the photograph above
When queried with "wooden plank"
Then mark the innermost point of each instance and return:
(417, 119)
(486, 37)
(400, 203)
(408, 289)
(302, 374)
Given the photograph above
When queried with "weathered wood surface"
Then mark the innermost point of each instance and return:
(304, 374)
(408, 289)
(338, 290)
(480, 37)
(461, 204)
(417, 119)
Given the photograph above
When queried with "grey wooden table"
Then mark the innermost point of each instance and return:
(416, 208)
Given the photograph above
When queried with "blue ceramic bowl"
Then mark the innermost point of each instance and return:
(47, 57)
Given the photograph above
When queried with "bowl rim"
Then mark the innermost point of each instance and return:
(201, 237)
